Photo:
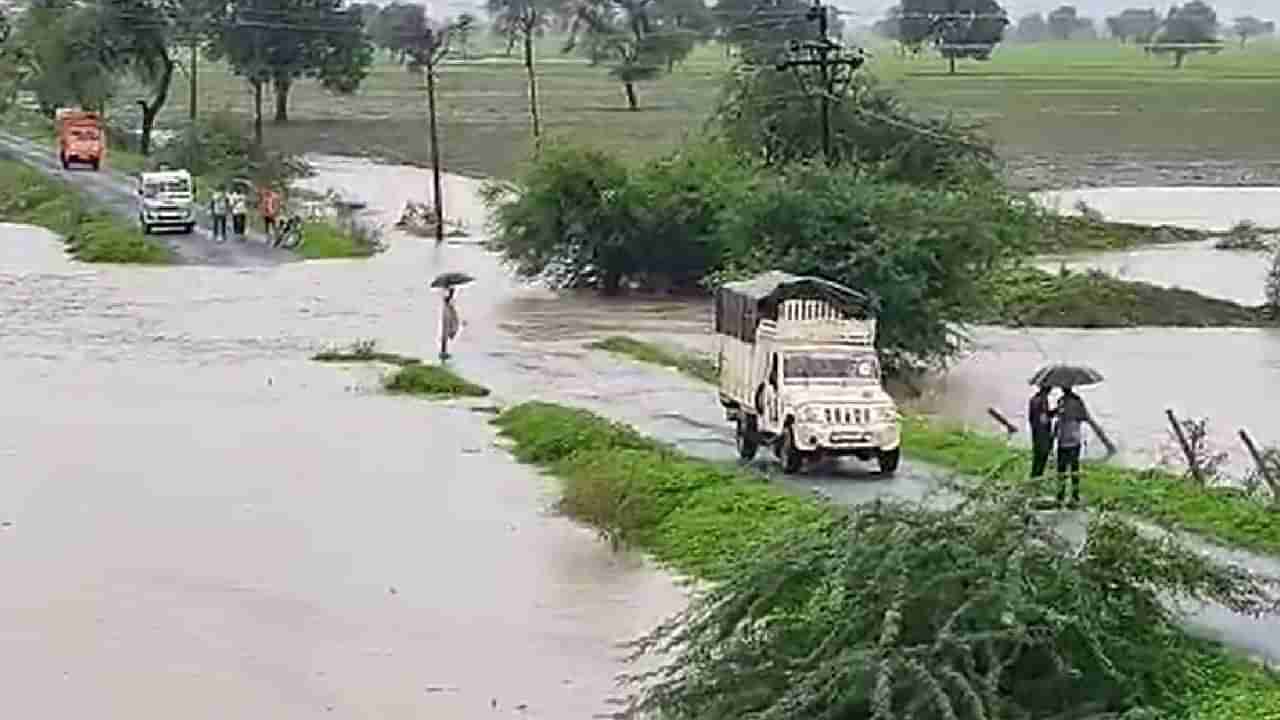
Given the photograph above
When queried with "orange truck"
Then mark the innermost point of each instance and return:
(80, 138)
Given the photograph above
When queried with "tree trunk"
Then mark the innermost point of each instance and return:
(511, 44)
(1178, 56)
(193, 100)
(632, 102)
(257, 114)
(435, 150)
(952, 61)
(282, 86)
(151, 109)
(533, 88)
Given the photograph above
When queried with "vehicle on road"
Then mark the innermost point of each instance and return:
(166, 199)
(80, 138)
(799, 371)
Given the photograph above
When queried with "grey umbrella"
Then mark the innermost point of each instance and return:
(451, 279)
(1065, 375)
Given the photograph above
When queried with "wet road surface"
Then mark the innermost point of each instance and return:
(118, 192)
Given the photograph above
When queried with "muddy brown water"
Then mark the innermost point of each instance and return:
(197, 521)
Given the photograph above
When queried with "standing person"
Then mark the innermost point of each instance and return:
(449, 323)
(239, 209)
(219, 207)
(1040, 416)
(1072, 415)
(269, 206)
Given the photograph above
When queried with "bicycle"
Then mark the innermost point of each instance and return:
(288, 232)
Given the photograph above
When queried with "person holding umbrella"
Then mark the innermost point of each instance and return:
(449, 322)
(1040, 416)
(1071, 414)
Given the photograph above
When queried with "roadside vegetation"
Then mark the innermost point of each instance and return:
(91, 235)
(695, 366)
(1078, 634)
(322, 239)
(411, 376)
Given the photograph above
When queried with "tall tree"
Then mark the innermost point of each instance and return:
(760, 32)
(956, 28)
(1065, 23)
(61, 45)
(1136, 24)
(463, 28)
(525, 21)
(398, 27)
(1031, 29)
(628, 32)
(1249, 26)
(1189, 28)
(139, 39)
(278, 42)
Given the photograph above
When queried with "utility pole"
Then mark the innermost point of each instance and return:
(436, 46)
(835, 68)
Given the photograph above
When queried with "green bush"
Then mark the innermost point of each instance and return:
(431, 381)
(546, 433)
(326, 240)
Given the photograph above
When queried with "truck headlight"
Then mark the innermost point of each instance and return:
(811, 414)
(886, 414)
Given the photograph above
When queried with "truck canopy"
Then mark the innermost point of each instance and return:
(740, 306)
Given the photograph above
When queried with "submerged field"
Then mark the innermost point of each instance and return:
(1061, 112)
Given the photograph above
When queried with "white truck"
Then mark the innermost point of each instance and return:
(166, 199)
(799, 371)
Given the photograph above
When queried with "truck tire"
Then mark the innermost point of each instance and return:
(95, 164)
(188, 228)
(888, 460)
(747, 437)
(791, 457)
(146, 229)
(66, 165)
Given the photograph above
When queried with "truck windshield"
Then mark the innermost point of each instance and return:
(152, 189)
(84, 134)
(831, 366)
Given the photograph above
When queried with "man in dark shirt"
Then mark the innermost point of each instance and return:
(1040, 416)
(1072, 416)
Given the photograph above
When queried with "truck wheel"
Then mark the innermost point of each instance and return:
(146, 229)
(789, 454)
(747, 437)
(95, 164)
(66, 165)
(188, 228)
(888, 460)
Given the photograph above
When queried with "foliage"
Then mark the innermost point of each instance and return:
(136, 37)
(922, 251)
(1031, 29)
(363, 351)
(398, 27)
(27, 196)
(1032, 297)
(1249, 27)
(696, 516)
(282, 41)
(1220, 514)
(431, 381)
(60, 42)
(1134, 24)
(463, 27)
(957, 28)
(639, 38)
(900, 611)
(325, 240)
(760, 33)
(763, 114)
(580, 218)
(1210, 461)
(1188, 28)
(695, 366)
(1064, 23)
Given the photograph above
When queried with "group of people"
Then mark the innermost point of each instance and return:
(1059, 425)
(230, 202)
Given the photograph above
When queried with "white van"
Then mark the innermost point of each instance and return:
(166, 200)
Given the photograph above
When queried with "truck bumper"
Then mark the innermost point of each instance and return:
(836, 440)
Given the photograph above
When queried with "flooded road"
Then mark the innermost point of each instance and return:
(196, 521)
(1200, 208)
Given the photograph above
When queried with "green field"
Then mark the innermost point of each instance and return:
(1097, 101)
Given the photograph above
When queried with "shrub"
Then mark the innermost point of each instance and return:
(431, 381)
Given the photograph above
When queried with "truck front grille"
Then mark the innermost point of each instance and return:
(847, 415)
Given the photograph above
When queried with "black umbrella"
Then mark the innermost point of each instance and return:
(1064, 375)
(451, 279)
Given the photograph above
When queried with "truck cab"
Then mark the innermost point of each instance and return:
(166, 199)
(80, 138)
(799, 372)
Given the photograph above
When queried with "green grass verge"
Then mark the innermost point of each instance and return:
(431, 381)
(30, 197)
(692, 365)
(1166, 499)
(700, 517)
(1032, 297)
(1071, 234)
(323, 240)
(1161, 497)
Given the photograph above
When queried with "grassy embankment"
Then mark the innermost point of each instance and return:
(30, 197)
(411, 377)
(1032, 297)
(698, 518)
(1162, 497)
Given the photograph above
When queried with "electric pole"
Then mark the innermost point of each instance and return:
(436, 46)
(835, 68)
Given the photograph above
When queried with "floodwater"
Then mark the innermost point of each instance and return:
(198, 522)
(1201, 208)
